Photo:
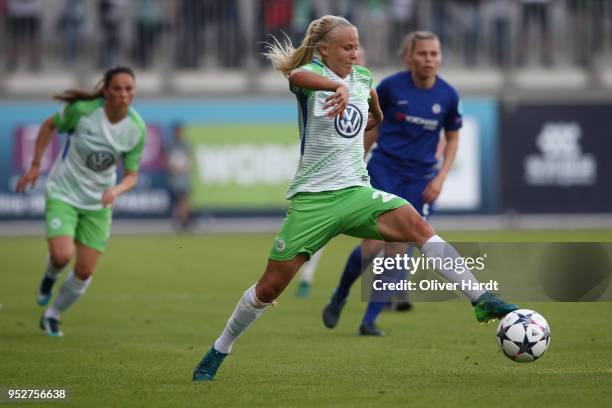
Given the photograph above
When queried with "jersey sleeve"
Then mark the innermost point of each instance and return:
(131, 159)
(66, 120)
(365, 76)
(315, 69)
(454, 117)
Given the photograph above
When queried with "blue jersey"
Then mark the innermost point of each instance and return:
(413, 119)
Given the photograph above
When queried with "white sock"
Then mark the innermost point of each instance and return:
(70, 292)
(246, 312)
(51, 270)
(309, 268)
(436, 247)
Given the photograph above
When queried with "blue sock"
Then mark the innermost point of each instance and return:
(378, 300)
(352, 270)
(372, 312)
(403, 273)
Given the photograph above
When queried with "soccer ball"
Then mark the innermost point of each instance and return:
(523, 335)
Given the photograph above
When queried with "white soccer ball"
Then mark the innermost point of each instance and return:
(523, 335)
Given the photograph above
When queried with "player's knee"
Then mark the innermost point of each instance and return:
(423, 230)
(60, 257)
(83, 272)
(267, 292)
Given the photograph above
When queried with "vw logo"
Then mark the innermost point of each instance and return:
(350, 124)
(100, 161)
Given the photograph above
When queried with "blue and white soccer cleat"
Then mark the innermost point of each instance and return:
(207, 368)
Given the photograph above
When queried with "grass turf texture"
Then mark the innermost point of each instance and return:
(158, 302)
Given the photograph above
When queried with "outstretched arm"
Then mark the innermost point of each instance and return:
(309, 80)
(45, 134)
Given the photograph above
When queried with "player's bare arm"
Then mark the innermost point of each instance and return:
(309, 80)
(375, 116)
(129, 181)
(369, 138)
(434, 188)
(45, 134)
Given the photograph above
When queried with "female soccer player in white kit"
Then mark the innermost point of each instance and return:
(81, 188)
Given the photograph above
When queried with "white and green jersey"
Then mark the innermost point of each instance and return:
(331, 149)
(87, 165)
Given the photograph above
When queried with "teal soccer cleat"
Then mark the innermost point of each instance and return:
(207, 368)
(50, 326)
(489, 307)
(303, 290)
(44, 290)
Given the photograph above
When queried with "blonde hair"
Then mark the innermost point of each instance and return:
(285, 58)
(409, 41)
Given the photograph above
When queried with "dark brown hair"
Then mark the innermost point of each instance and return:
(73, 95)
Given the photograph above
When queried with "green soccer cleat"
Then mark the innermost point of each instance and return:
(303, 290)
(207, 368)
(489, 307)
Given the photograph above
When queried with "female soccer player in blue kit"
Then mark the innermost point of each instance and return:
(417, 104)
(331, 193)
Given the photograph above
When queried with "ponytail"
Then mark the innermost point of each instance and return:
(285, 58)
(73, 95)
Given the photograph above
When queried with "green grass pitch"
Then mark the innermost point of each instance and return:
(158, 302)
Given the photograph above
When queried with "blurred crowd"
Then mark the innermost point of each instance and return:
(194, 34)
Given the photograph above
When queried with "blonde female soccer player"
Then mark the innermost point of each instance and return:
(330, 193)
(80, 190)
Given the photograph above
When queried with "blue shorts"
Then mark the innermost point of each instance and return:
(387, 177)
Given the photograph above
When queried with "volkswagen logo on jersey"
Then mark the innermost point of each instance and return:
(100, 161)
(350, 124)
